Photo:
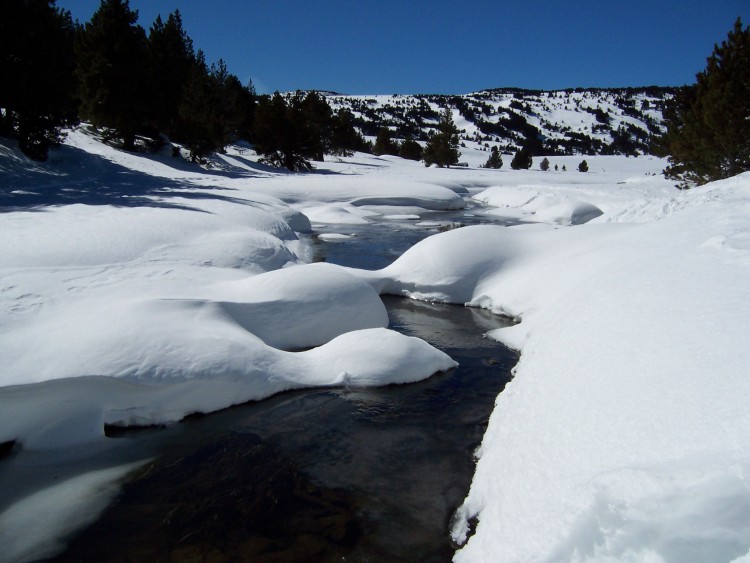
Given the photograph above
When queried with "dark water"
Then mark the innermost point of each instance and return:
(376, 245)
(320, 475)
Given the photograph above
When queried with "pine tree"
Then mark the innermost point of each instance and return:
(442, 146)
(247, 103)
(345, 139)
(314, 121)
(197, 112)
(494, 160)
(36, 74)
(384, 143)
(544, 165)
(212, 108)
(227, 91)
(278, 135)
(114, 70)
(522, 160)
(708, 123)
(410, 150)
(173, 61)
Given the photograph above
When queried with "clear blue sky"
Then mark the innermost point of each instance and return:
(443, 47)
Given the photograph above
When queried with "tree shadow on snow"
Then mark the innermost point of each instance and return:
(75, 176)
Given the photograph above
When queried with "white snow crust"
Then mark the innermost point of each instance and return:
(137, 290)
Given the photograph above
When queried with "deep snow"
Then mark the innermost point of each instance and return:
(137, 290)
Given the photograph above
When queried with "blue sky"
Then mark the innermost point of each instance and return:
(410, 46)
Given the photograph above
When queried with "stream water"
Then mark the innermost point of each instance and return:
(322, 474)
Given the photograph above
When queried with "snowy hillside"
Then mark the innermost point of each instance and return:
(597, 121)
(138, 289)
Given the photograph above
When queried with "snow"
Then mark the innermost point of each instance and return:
(137, 290)
(333, 237)
(625, 433)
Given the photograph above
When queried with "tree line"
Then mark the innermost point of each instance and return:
(130, 83)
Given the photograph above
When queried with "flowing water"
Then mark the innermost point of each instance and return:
(322, 474)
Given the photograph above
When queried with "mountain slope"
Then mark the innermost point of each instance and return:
(580, 121)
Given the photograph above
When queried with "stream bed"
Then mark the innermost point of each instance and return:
(322, 474)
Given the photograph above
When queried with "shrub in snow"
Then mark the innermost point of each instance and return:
(521, 160)
(494, 160)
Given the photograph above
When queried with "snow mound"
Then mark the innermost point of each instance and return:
(333, 214)
(335, 237)
(528, 204)
(361, 191)
(224, 369)
(302, 306)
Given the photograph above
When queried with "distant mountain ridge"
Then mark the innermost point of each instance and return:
(570, 121)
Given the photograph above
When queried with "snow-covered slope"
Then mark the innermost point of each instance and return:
(580, 121)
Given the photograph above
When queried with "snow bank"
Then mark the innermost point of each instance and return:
(336, 214)
(361, 191)
(625, 433)
(73, 411)
(184, 283)
(529, 205)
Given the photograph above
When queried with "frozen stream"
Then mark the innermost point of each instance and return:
(363, 475)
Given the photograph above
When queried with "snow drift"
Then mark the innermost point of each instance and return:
(625, 433)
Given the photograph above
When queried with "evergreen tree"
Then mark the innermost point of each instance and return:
(583, 166)
(246, 104)
(197, 112)
(313, 120)
(36, 74)
(494, 160)
(278, 137)
(212, 108)
(173, 62)
(410, 150)
(708, 123)
(384, 143)
(114, 70)
(227, 90)
(345, 139)
(544, 165)
(522, 160)
(442, 147)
